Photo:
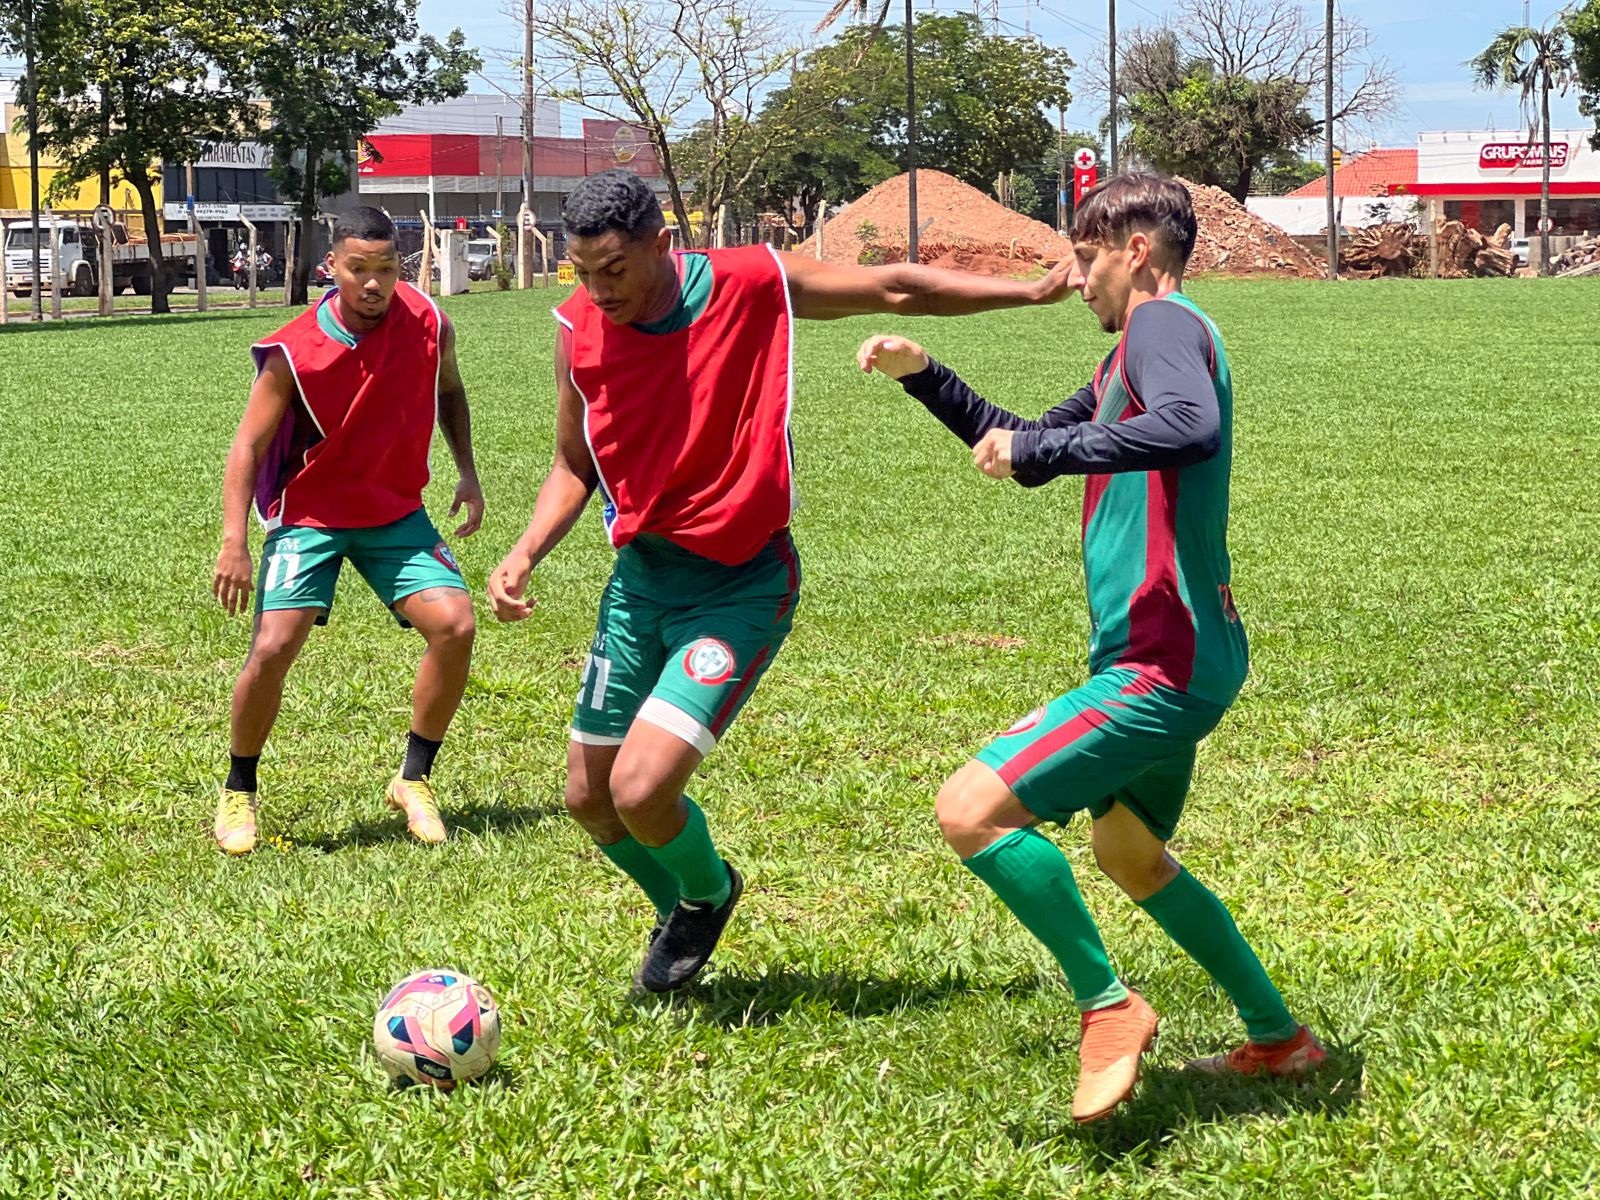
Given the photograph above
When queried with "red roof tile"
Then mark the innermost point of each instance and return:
(1368, 174)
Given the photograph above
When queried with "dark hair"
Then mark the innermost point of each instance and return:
(365, 224)
(1137, 201)
(614, 199)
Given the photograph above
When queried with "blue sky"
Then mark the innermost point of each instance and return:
(1425, 40)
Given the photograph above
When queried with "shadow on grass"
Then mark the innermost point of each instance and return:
(478, 819)
(737, 1001)
(1170, 1100)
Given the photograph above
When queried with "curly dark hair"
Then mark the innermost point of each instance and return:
(614, 199)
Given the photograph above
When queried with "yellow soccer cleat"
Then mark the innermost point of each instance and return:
(235, 826)
(415, 798)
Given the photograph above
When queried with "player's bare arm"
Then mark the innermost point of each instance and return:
(824, 291)
(263, 413)
(562, 497)
(455, 422)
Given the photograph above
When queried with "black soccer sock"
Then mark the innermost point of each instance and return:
(242, 772)
(419, 756)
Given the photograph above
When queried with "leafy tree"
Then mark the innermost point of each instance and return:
(1534, 62)
(125, 85)
(1583, 27)
(330, 71)
(1220, 92)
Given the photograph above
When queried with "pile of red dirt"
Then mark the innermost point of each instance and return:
(1235, 240)
(960, 227)
(963, 228)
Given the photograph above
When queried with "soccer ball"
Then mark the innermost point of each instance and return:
(437, 1027)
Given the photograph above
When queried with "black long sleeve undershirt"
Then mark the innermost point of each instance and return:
(1168, 363)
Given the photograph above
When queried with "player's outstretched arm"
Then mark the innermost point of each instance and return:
(263, 414)
(455, 422)
(824, 291)
(561, 500)
(961, 410)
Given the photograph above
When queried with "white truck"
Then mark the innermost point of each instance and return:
(77, 273)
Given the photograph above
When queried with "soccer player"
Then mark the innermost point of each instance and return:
(1167, 653)
(674, 373)
(333, 447)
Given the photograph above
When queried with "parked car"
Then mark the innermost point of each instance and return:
(480, 258)
(322, 274)
(1520, 248)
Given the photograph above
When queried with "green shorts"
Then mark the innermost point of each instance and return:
(682, 641)
(1120, 738)
(300, 563)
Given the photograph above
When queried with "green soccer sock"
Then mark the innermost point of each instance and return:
(693, 860)
(635, 860)
(1034, 880)
(1203, 927)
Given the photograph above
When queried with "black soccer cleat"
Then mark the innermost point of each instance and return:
(686, 941)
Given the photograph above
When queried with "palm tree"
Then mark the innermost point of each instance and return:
(1536, 61)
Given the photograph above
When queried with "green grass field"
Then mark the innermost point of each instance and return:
(1401, 808)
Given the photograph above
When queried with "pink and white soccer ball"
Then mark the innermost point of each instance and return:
(437, 1027)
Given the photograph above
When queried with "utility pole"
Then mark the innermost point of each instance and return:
(33, 162)
(1112, 21)
(1061, 182)
(499, 182)
(1327, 142)
(525, 255)
(911, 138)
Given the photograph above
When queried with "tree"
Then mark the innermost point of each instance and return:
(1583, 27)
(330, 71)
(125, 85)
(1534, 61)
(840, 126)
(1222, 90)
(648, 63)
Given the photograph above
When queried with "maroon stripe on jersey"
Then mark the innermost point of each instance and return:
(1094, 486)
(725, 713)
(787, 558)
(1160, 625)
(1056, 740)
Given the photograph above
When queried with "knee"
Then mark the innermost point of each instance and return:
(457, 631)
(636, 792)
(272, 654)
(1138, 871)
(964, 811)
(589, 803)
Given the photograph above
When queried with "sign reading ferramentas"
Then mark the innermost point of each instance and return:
(1512, 156)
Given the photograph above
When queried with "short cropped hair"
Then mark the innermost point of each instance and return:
(1138, 202)
(365, 224)
(613, 200)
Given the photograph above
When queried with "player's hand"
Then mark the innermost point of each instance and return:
(508, 588)
(231, 583)
(1061, 280)
(992, 454)
(895, 357)
(469, 492)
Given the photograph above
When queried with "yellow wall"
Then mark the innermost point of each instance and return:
(15, 187)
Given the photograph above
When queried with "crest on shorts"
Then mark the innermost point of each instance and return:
(709, 661)
(1027, 722)
(442, 553)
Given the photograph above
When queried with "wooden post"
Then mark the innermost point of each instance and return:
(543, 242)
(822, 218)
(5, 292)
(55, 266)
(425, 272)
(103, 244)
(251, 226)
(1433, 242)
(288, 263)
(524, 249)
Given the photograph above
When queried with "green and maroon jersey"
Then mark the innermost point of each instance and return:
(1153, 435)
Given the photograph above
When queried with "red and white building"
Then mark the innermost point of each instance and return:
(463, 158)
(1485, 179)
